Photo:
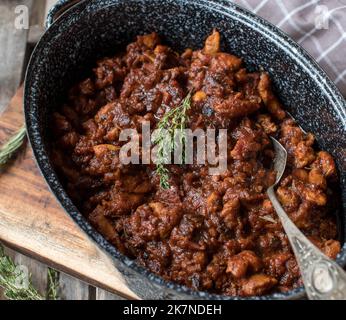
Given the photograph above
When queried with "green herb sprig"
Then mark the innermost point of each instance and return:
(9, 275)
(53, 285)
(8, 150)
(172, 123)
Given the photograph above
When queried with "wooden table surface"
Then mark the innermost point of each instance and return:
(32, 223)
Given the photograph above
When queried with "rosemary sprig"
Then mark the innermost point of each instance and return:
(53, 285)
(10, 276)
(171, 124)
(8, 150)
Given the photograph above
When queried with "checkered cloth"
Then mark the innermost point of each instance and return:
(318, 25)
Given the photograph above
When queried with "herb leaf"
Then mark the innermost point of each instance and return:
(53, 285)
(172, 123)
(9, 276)
(8, 150)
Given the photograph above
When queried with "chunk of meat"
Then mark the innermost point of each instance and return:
(316, 177)
(149, 40)
(298, 144)
(331, 248)
(316, 196)
(271, 102)
(212, 44)
(277, 263)
(249, 142)
(243, 262)
(326, 164)
(152, 222)
(108, 71)
(236, 106)
(122, 203)
(230, 212)
(288, 198)
(267, 124)
(224, 63)
(258, 284)
(304, 154)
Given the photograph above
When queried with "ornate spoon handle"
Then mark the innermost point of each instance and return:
(323, 278)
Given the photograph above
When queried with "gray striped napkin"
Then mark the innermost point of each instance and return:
(318, 25)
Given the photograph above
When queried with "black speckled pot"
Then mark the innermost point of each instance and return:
(95, 28)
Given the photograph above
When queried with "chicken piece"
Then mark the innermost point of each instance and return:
(267, 124)
(224, 63)
(212, 44)
(331, 248)
(258, 284)
(104, 112)
(213, 202)
(236, 106)
(101, 149)
(249, 141)
(301, 174)
(149, 40)
(243, 262)
(277, 263)
(303, 154)
(230, 212)
(288, 198)
(316, 196)
(122, 203)
(269, 99)
(108, 71)
(326, 164)
(139, 183)
(316, 177)
(298, 144)
(153, 221)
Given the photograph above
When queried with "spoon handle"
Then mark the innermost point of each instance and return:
(323, 278)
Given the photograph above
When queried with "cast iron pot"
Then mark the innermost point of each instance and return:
(92, 29)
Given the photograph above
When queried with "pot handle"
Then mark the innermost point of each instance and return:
(59, 9)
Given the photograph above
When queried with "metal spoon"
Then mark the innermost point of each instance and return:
(323, 278)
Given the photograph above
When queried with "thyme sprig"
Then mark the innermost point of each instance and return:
(10, 280)
(8, 150)
(172, 123)
(53, 285)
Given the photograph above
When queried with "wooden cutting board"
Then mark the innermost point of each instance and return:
(32, 221)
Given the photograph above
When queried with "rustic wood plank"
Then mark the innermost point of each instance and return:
(105, 295)
(12, 50)
(37, 13)
(72, 289)
(36, 225)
